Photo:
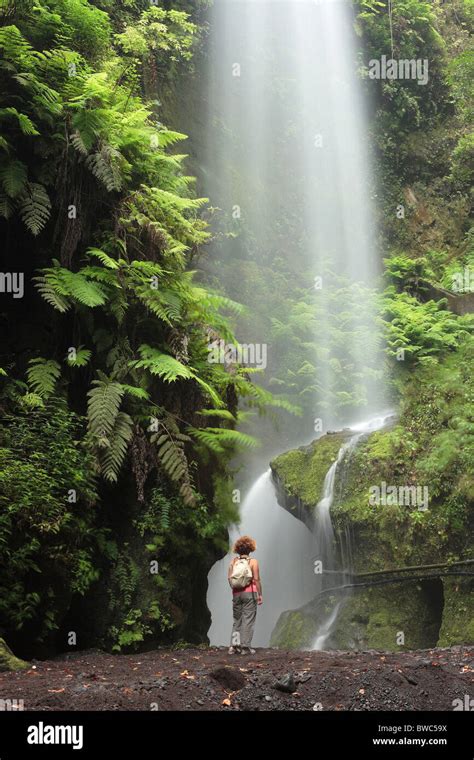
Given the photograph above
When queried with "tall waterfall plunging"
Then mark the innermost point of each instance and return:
(287, 159)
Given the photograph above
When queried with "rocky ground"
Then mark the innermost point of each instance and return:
(211, 679)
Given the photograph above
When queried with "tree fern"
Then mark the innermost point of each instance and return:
(42, 376)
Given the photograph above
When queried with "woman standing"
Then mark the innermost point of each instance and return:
(244, 579)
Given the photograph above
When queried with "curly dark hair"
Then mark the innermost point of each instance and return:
(244, 545)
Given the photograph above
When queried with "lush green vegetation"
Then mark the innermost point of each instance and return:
(118, 434)
(105, 375)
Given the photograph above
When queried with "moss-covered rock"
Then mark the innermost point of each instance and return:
(457, 626)
(8, 661)
(406, 617)
(299, 475)
(295, 629)
(383, 536)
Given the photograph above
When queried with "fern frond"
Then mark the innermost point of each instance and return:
(105, 166)
(223, 414)
(170, 369)
(136, 392)
(31, 401)
(78, 143)
(168, 137)
(220, 439)
(13, 177)
(165, 514)
(6, 206)
(35, 207)
(103, 406)
(24, 122)
(172, 458)
(83, 290)
(81, 359)
(42, 376)
(113, 454)
(104, 258)
(51, 289)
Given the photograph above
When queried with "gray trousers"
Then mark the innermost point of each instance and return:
(244, 607)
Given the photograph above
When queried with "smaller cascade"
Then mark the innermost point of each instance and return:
(325, 539)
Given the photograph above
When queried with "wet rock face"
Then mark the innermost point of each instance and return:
(299, 475)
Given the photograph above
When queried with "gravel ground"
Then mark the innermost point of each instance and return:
(211, 679)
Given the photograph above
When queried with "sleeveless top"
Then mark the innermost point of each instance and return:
(251, 588)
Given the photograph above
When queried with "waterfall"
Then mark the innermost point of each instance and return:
(288, 164)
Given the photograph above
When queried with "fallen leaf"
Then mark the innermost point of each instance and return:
(361, 691)
(56, 691)
(184, 673)
(226, 702)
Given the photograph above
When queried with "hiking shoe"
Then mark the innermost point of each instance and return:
(247, 650)
(234, 650)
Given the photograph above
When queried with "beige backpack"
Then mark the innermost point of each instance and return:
(241, 574)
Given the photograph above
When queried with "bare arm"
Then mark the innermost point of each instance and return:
(256, 575)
